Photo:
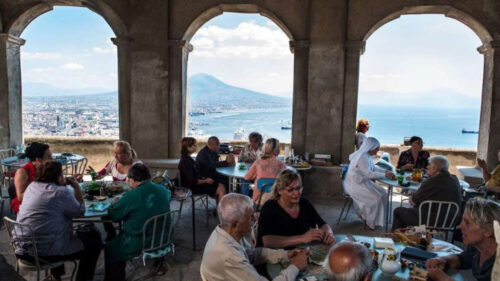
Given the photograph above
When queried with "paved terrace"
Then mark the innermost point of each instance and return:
(184, 266)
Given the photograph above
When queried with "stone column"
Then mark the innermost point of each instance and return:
(11, 119)
(354, 49)
(300, 50)
(178, 96)
(489, 126)
(124, 100)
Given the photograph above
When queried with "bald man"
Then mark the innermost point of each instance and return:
(349, 261)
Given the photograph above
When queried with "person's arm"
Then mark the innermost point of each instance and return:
(21, 182)
(72, 199)
(492, 188)
(328, 237)
(252, 172)
(119, 210)
(482, 164)
(188, 173)
(363, 167)
(425, 191)
(278, 241)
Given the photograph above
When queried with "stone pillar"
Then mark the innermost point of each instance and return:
(489, 126)
(11, 118)
(300, 50)
(178, 96)
(354, 49)
(124, 100)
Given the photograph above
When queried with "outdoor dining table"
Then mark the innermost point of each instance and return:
(414, 185)
(236, 173)
(441, 248)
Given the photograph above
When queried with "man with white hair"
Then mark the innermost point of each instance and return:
(228, 256)
(349, 261)
(440, 186)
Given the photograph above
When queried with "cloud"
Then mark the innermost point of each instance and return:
(113, 75)
(274, 75)
(107, 50)
(40, 56)
(43, 69)
(72, 66)
(247, 40)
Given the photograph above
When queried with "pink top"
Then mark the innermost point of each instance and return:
(264, 168)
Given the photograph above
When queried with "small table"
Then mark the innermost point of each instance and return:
(274, 269)
(390, 183)
(234, 173)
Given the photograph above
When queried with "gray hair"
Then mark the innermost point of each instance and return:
(359, 269)
(441, 163)
(483, 212)
(232, 207)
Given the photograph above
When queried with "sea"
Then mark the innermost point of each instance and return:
(389, 124)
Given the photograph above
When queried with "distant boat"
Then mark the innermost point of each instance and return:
(239, 134)
(464, 131)
(286, 127)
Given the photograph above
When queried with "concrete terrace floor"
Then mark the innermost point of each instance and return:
(184, 266)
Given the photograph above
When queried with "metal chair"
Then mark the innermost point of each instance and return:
(7, 174)
(264, 185)
(444, 219)
(203, 198)
(25, 231)
(75, 166)
(161, 242)
(347, 197)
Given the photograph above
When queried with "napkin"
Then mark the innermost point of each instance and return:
(495, 273)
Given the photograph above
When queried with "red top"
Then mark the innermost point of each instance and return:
(30, 169)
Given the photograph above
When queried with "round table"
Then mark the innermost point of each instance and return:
(446, 249)
(92, 214)
(16, 162)
(390, 183)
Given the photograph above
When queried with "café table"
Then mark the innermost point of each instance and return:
(441, 248)
(237, 173)
(414, 185)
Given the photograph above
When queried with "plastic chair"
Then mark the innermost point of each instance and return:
(347, 198)
(25, 231)
(162, 242)
(264, 185)
(445, 219)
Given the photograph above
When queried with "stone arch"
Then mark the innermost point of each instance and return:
(235, 8)
(99, 7)
(448, 11)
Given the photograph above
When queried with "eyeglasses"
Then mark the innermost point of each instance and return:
(292, 189)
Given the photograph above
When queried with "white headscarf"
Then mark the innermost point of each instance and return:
(369, 144)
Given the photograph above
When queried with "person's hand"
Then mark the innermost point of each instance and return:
(71, 181)
(78, 177)
(436, 263)
(481, 163)
(209, 180)
(437, 274)
(408, 166)
(328, 238)
(90, 169)
(230, 159)
(312, 235)
(299, 258)
(389, 174)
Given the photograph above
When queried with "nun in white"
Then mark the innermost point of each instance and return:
(359, 183)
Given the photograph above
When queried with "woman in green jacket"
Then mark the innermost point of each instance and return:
(146, 199)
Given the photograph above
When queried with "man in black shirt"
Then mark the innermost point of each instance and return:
(207, 161)
(478, 235)
(441, 186)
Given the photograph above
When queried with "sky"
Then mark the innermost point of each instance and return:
(71, 48)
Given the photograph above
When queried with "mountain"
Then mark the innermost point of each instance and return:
(46, 90)
(437, 98)
(207, 91)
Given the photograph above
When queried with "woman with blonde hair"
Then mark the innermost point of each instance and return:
(288, 219)
(268, 166)
(362, 126)
(125, 157)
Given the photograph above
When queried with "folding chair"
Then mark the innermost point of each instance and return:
(28, 238)
(347, 197)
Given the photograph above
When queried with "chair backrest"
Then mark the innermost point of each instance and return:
(438, 215)
(264, 185)
(5, 153)
(24, 238)
(343, 170)
(76, 166)
(160, 230)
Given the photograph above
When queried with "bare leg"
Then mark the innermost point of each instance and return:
(221, 191)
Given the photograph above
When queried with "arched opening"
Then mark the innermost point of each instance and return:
(245, 61)
(421, 75)
(69, 70)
